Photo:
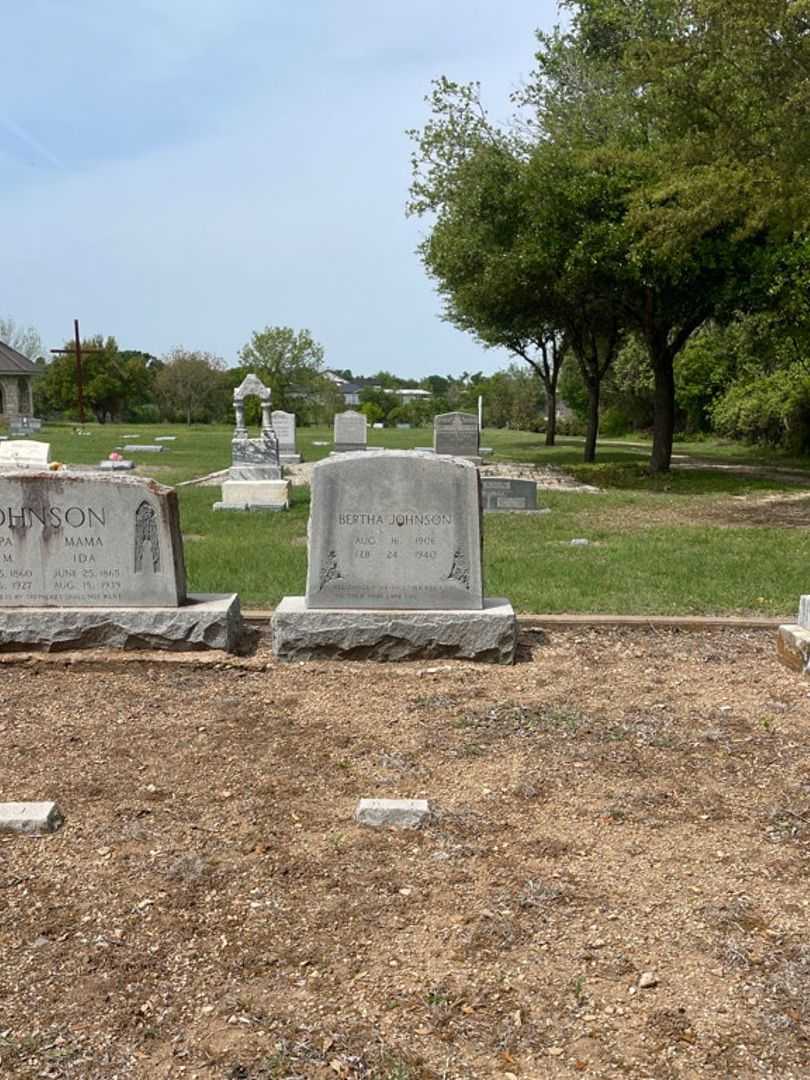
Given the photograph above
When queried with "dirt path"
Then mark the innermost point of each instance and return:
(765, 472)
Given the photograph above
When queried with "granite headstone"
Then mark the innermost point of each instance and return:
(506, 493)
(94, 560)
(284, 427)
(81, 540)
(350, 431)
(25, 454)
(394, 565)
(394, 529)
(456, 433)
(255, 479)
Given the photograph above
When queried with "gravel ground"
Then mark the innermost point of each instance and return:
(547, 477)
(614, 885)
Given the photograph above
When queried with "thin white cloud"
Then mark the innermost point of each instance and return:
(28, 140)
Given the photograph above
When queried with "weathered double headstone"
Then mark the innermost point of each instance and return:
(506, 493)
(457, 434)
(283, 424)
(350, 432)
(394, 565)
(87, 559)
(254, 478)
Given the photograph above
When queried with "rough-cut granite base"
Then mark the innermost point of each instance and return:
(205, 622)
(289, 457)
(302, 633)
(793, 648)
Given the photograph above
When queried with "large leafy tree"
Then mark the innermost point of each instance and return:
(191, 385)
(725, 85)
(588, 95)
(672, 134)
(526, 247)
(114, 382)
(290, 363)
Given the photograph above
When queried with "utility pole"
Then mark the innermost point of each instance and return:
(79, 375)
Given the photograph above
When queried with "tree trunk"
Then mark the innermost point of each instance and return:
(551, 410)
(593, 420)
(664, 418)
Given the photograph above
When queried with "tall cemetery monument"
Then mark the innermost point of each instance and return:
(255, 478)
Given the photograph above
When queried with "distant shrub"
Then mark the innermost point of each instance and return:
(144, 414)
(773, 409)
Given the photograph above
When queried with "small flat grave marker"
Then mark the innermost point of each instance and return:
(30, 818)
(116, 466)
(393, 813)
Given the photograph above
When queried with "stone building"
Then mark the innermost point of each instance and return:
(16, 383)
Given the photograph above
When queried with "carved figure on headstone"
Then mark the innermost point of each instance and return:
(146, 535)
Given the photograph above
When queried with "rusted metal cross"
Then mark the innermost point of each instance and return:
(77, 348)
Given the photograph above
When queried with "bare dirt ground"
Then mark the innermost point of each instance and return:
(618, 803)
(547, 477)
(752, 510)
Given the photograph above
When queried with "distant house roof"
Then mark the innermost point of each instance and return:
(14, 363)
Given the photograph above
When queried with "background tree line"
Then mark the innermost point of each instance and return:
(192, 386)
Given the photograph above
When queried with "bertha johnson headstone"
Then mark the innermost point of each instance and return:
(394, 530)
(394, 565)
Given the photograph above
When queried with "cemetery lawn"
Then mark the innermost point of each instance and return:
(618, 803)
(724, 534)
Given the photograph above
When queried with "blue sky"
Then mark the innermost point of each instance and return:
(182, 172)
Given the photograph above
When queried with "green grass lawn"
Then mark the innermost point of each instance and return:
(655, 548)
